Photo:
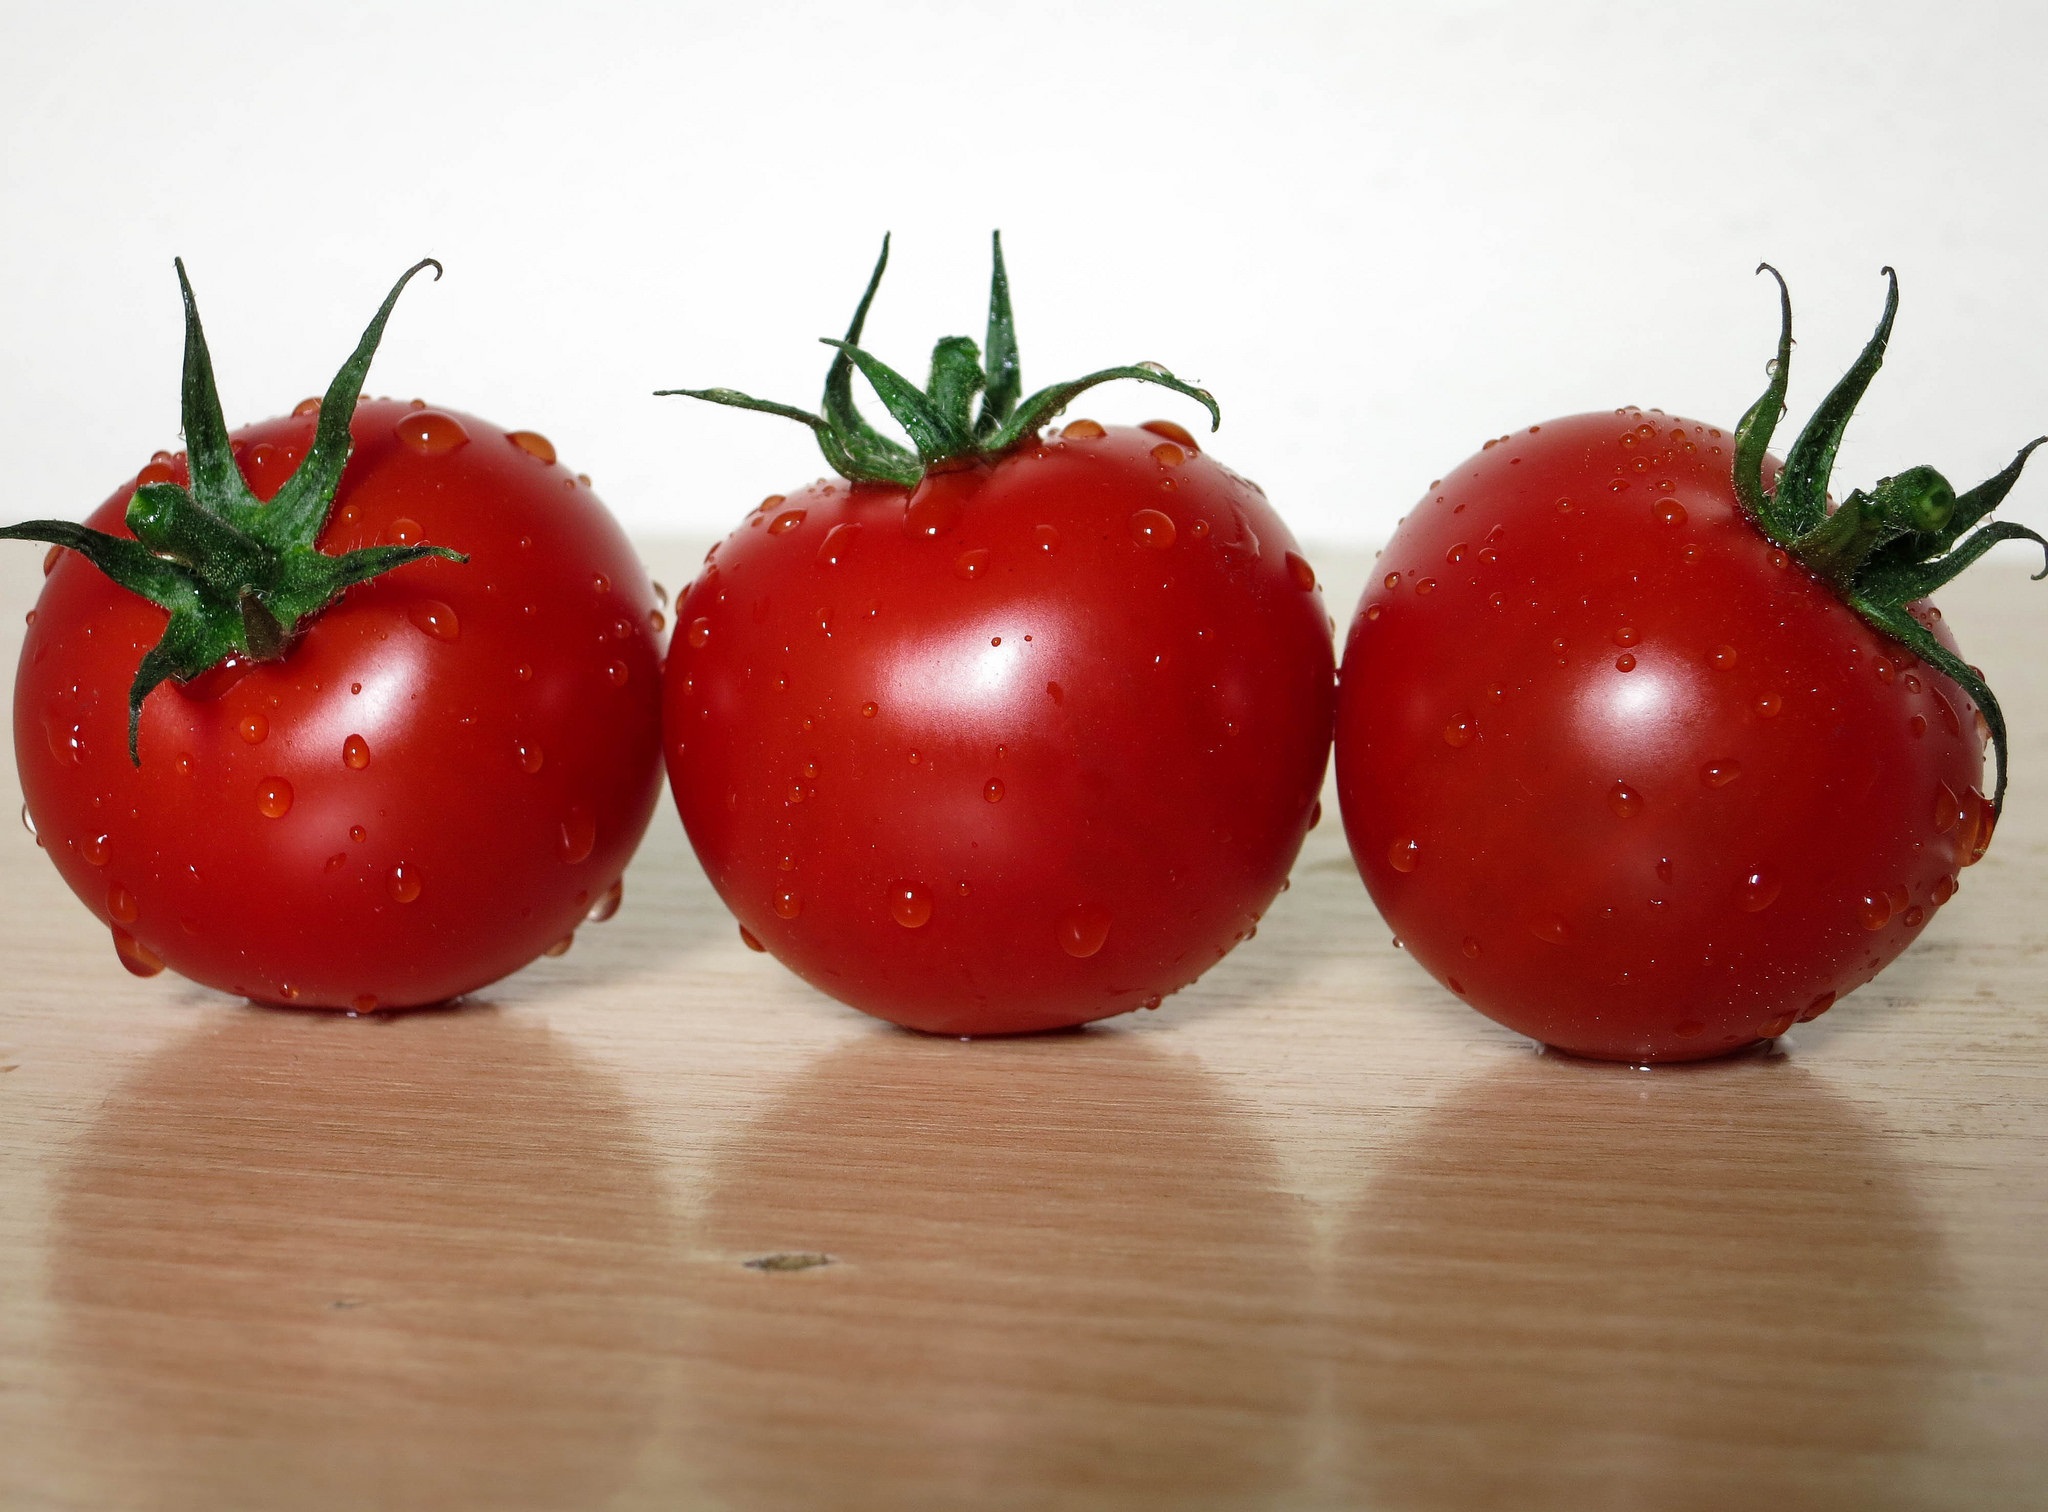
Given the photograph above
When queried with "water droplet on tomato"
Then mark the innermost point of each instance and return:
(1469, 948)
(910, 904)
(561, 947)
(1625, 635)
(28, 823)
(1718, 774)
(355, 753)
(1817, 1007)
(335, 862)
(1915, 916)
(605, 907)
(1767, 705)
(1947, 712)
(1459, 731)
(306, 407)
(1551, 930)
(121, 905)
(578, 834)
(1426, 585)
(1373, 611)
(1670, 512)
(431, 433)
(434, 618)
(1624, 800)
(93, 848)
(530, 756)
(971, 564)
(1391, 580)
(787, 521)
(1083, 430)
(1688, 1028)
(252, 728)
(1944, 888)
(137, 957)
(533, 443)
(1874, 911)
(274, 797)
(1404, 853)
(617, 673)
(869, 709)
(1153, 528)
(1724, 657)
(930, 513)
(1315, 814)
(404, 883)
(358, 834)
(1177, 434)
(1948, 808)
(1759, 890)
(749, 941)
(1625, 662)
(993, 790)
(1083, 930)
(1304, 575)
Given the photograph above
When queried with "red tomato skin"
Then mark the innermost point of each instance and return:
(306, 907)
(1151, 722)
(1786, 767)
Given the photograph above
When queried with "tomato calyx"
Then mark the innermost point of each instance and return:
(239, 577)
(940, 418)
(1887, 549)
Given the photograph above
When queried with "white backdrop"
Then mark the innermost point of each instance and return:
(1380, 233)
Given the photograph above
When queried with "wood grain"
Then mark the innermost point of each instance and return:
(1311, 1236)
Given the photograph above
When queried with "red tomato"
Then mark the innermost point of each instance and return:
(447, 770)
(1029, 744)
(1623, 774)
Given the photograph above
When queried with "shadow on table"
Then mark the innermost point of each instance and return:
(1578, 1286)
(417, 1262)
(1061, 1275)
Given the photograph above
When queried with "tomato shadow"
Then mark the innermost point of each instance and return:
(1000, 1274)
(1576, 1285)
(412, 1260)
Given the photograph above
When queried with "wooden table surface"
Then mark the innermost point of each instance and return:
(1312, 1236)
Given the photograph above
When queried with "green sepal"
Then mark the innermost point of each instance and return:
(236, 576)
(1887, 549)
(936, 416)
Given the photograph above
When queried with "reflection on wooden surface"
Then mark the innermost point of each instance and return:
(1579, 1286)
(347, 1264)
(1023, 1233)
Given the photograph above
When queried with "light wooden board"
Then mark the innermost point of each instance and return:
(1312, 1236)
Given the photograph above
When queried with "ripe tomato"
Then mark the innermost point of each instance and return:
(428, 785)
(1620, 763)
(1020, 737)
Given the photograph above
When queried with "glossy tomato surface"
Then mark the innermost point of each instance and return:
(1624, 777)
(1030, 745)
(449, 768)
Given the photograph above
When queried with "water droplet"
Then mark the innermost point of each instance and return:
(306, 407)
(137, 957)
(1046, 539)
(1551, 930)
(1767, 705)
(749, 941)
(1083, 930)
(787, 904)
(993, 790)
(971, 564)
(1724, 657)
(1915, 916)
(1625, 662)
(1670, 511)
(1304, 575)
(28, 823)
(431, 433)
(931, 512)
(335, 862)
(578, 834)
(618, 673)
(355, 753)
(910, 904)
(1624, 800)
(1718, 774)
(404, 883)
(1759, 890)
(1625, 635)
(1426, 585)
(1315, 814)
(274, 797)
(1874, 911)
(530, 756)
(1944, 888)
(434, 618)
(1948, 809)
(121, 905)
(1459, 731)
(1564, 506)
(1403, 854)
(1886, 673)
(1469, 948)
(869, 710)
(358, 834)
(1153, 528)
(533, 443)
(1055, 692)
(1083, 430)
(252, 728)
(1175, 433)
(1817, 1007)
(93, 848)
(561, 947)
(1947, 712)
(1166, 454)
(785, 522)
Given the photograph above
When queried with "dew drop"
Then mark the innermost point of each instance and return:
(305, 407)
(1046, 539)
(1083, 430)
(578, 834)
(617, 673)
(530, 756)
(404, 883)
(1767, 705)
(430, 433)
(930, 513)
(434, 618)
(561, 947)
(1551, 930)
(1625, 635)
(1177, 434)
(787, 904)
(1459, 731)
(1915, 916)
(137, 957)
(28, 823)
(121, 904)
(1166, 454)
(1874, 911)
(785, 522)
(355, 753)
(1718, 774)
(1391, 580)
(1948, 809)
(1947, 712)
(1771, 1028)
(910, 904)
(869, 710)
(993, 790)
(93, 848)
(970, 565)
(1724, 657)
(1425, 585)
(252, 728)
(1153, 528)
(1083, 930)
(335, 862)
(533, 443)
(838, 543)
(1404, 853)
(1817, 1007)
(749, 941)
(1688, 1029)
(1944, 888)
(1625, 662)
(1624, 800)
(1304, 575)
(1469, 948)
(1671, 512)
(1315, 814)
(1759, 891)
(274, 797)
(358, 834)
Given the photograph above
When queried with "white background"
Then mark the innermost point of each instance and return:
(1381, 233)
